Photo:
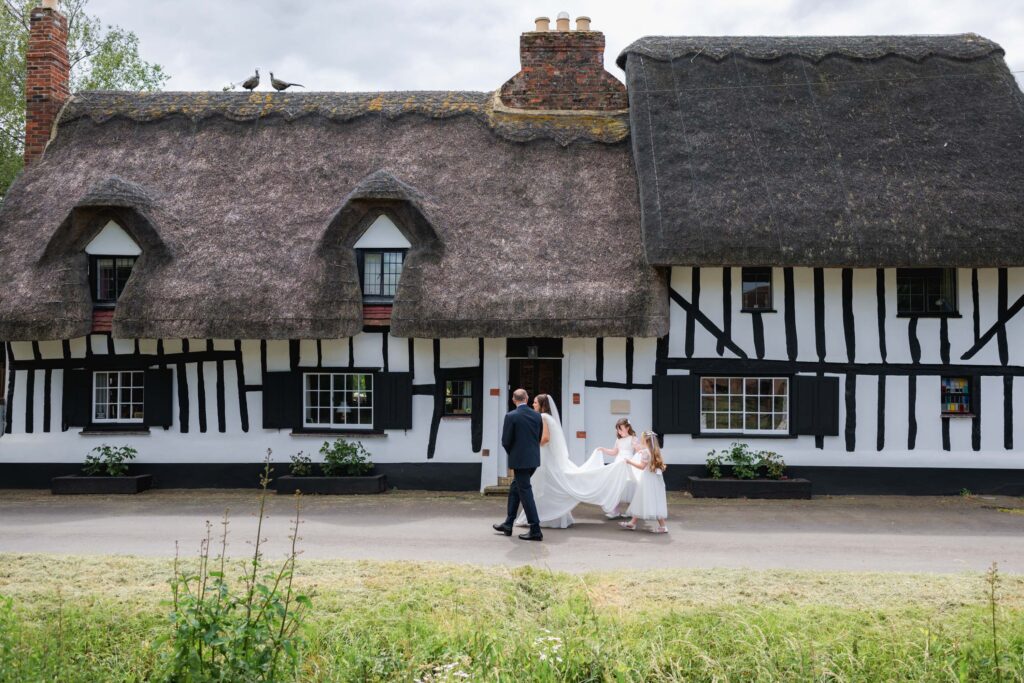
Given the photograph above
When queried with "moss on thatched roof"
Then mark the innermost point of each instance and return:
(827, 151)
(246, 205)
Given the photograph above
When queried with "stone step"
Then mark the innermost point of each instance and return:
(496, 490)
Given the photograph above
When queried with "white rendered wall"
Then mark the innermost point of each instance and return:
(928, 450)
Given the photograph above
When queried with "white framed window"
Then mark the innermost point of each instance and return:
(744, 405)
(117, 396)
(338, 400)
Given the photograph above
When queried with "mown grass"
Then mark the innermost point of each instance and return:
(98, 619)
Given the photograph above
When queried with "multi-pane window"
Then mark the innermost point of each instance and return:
(381, 271)
(927, 291)
(956, 396)
(118, 396)
(458, 397)
(757, 289)
(757, 405)
(110, 275)
(338, 400)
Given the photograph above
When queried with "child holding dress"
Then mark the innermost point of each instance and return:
(649, 500)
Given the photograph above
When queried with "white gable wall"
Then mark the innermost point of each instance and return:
(112, 240)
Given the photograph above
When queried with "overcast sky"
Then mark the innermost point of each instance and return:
(474, 45)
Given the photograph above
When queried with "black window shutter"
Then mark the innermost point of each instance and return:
(676, 404)
(157, 411)
(815, 405)
(803, 396)
(828, 407)
(392, 400)
(76, 400)
(282, 400)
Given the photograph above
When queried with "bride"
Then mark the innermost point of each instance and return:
(559, 485)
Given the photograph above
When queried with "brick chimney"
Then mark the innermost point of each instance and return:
(563, 70)
(48, 73)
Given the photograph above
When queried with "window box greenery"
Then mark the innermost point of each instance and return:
(739, 472)
(345, 469)
(105, 471)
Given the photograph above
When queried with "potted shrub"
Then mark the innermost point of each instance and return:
(105, 471)
(739, 472)
(345, 468)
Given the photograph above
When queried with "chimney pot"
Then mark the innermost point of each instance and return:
(562, 22)
(582, 23)
(543, 24)
(49, 4)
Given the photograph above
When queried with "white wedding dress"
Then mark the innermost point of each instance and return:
(559, 484)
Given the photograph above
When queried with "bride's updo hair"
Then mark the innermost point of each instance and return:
(543, 403)
(624, 422)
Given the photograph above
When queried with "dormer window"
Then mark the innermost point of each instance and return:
(380, 253)
(110, 275)
(380, 273)
(112, 255)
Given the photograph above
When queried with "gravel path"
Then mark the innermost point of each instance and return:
(914, 534)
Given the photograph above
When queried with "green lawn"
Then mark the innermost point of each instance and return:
(97, 619)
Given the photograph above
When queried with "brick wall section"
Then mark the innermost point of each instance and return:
(563, 70)
(46, 80)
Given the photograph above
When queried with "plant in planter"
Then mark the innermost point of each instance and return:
(755, 474)
(346, 468)
(746, 463)
(106, 471)
(302, 465)
(345, 459)
(109, 461)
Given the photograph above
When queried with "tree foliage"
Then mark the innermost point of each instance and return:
(102, 58)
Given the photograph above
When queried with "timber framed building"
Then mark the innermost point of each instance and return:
(812, 245)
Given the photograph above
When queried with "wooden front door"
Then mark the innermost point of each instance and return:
(537, 376)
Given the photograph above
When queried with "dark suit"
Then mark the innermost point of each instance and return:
(521, 439)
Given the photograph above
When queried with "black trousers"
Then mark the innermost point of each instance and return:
(521, 491)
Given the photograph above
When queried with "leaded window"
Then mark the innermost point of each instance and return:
(744, 405)
(757, 289)
(458, 397)
(338, 400)
(381, 272)
(925, 291)
(118, 396)
(110, 275)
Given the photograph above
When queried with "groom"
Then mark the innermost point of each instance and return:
(521, 439)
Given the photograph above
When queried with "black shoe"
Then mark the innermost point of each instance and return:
(532, 536)
(503, 528)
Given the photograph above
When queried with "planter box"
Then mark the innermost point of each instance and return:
(702, 487)
(375, 483)
(80, 484)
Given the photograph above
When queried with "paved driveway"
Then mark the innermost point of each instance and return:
(843, 533)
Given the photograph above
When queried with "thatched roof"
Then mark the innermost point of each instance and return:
(827, 151)
(246, 207)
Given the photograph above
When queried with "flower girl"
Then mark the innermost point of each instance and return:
(649, 501)
(626, 443)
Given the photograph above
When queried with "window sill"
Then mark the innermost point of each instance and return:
(739, 435)
(929, 315)
(456, 417)
(954, 416)
(758, 310)
(338, 432)
(115, 430)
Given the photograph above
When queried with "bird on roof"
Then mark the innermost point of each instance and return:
(280, 85)
(251, 82)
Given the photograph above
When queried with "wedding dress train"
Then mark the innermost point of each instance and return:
(559, 484)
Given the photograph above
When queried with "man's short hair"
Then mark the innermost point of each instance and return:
(520, 396)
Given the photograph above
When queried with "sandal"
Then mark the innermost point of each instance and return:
(660, 530)
(627, 525)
